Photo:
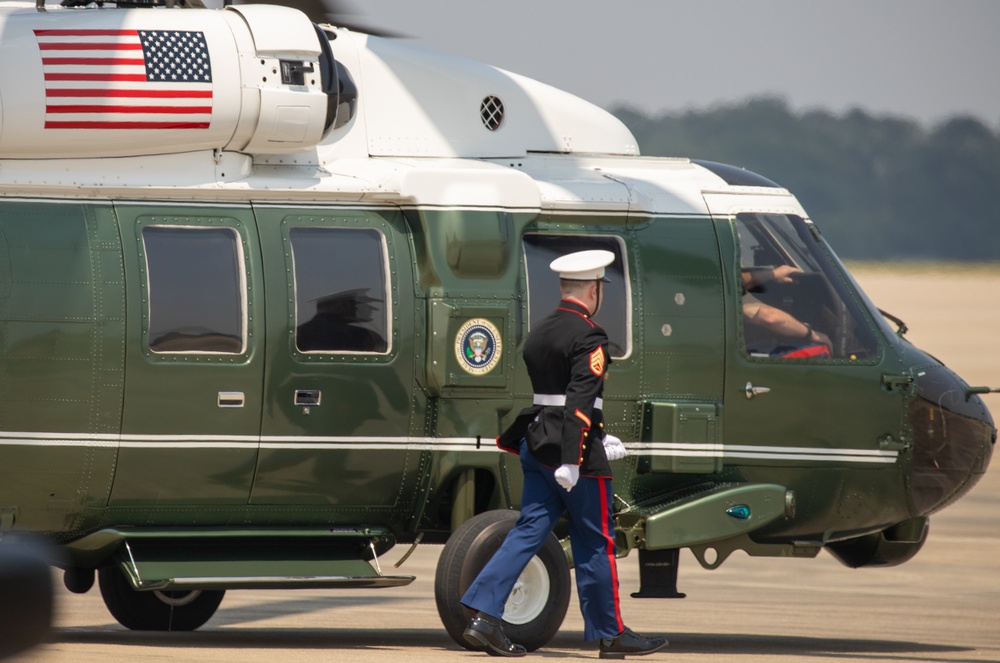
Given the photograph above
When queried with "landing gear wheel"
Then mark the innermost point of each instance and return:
(537, 605)
(167, 610)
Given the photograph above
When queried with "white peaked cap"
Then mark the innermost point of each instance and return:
(583, 265)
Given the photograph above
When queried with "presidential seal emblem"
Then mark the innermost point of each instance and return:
(478, 346)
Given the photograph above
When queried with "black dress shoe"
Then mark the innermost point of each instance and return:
(486, 633)
(628, 643)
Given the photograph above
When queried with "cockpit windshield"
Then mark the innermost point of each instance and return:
(796, 303)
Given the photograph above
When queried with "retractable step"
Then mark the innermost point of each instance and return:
(168, 559)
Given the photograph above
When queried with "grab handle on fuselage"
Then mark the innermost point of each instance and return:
(752, 391)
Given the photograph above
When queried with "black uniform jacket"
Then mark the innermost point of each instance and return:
(566, 355)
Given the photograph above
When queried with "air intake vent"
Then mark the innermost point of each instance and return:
(491, 112)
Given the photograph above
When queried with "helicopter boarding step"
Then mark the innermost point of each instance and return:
(174, 559)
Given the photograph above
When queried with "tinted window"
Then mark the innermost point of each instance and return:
(340, 290)
(196, 291)
(543, 283)
(796, 303)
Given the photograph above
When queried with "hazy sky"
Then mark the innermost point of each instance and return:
(917, 58)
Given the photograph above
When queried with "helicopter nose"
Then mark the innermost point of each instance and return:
(953, 440)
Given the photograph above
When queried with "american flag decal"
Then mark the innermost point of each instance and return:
(126, 79)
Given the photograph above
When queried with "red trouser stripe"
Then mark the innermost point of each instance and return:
(612, 559)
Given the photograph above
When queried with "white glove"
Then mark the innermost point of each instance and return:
(613, 447)
(567, 476)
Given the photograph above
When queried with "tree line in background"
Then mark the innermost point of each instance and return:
(878, 187)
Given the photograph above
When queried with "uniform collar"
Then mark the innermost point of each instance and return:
(575, 307)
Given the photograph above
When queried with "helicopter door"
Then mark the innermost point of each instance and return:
(194, 361)
(340, 356)
(804, 369)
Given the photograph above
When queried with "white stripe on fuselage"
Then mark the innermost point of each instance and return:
(418, 443)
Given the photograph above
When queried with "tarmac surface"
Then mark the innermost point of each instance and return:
(940, 606)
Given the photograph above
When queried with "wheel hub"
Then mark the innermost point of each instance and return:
(530, 594)
(177, 599)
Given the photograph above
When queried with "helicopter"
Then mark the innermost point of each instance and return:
(263, 286)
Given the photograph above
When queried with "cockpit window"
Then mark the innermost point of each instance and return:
(795, 302)
(543, 284)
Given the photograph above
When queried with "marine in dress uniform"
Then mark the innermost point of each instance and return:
(564, 455)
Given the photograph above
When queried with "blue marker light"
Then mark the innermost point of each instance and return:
(741, 511)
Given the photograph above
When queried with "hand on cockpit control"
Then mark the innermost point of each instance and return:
(786, 274)
(819, 337)
(613, 448)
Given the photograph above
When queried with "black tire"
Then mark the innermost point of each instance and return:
(158, 610)
(544, 594)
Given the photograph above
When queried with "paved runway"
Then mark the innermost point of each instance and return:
(941, 606)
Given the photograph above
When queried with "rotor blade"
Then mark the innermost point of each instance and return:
(334, 12)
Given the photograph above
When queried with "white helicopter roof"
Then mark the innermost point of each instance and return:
(427, 128)
(418, 102)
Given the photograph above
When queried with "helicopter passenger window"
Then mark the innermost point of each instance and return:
(796, 303)
(341, 290)
(196, 289)
(543, 283)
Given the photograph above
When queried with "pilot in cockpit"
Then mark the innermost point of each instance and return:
(763, 319)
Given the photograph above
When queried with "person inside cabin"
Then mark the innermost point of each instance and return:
(342, 323)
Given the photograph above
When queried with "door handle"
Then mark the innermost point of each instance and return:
(307, 397)
(231, 399)
(752, 391)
